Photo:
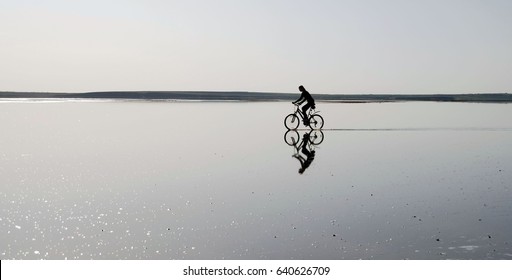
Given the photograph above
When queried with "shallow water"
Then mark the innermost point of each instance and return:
(206, 180)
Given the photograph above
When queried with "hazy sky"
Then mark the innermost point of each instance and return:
(330, 46)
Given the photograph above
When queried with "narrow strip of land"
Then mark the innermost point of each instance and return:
(264, 96)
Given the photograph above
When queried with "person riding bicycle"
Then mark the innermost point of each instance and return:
(305, 96)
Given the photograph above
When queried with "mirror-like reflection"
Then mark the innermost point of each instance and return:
(124, 180)
(304, 150)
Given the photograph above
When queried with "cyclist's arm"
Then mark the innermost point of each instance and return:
(300, 100)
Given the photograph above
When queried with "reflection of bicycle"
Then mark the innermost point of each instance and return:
(305, 147)
(291, 137)
(315, 120)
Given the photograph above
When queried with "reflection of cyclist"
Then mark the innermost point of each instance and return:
(310, 155)
(305, 96)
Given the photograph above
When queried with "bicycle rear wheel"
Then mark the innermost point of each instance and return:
(316, 122)
(291, 121)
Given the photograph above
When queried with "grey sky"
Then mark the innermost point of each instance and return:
(401, 46)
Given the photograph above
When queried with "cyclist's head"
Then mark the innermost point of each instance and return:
(301, 88)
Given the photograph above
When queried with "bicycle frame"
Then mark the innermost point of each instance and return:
(298, 111)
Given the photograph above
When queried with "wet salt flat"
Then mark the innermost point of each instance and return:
(207, 180)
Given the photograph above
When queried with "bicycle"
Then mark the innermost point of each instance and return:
(292, 121)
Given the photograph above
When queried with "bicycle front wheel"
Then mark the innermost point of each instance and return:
(316, 122)
(291, 137)
(291, 121)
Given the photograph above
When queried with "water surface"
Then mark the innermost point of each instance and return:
(207, 180)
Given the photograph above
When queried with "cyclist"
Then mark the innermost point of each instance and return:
(305, 96)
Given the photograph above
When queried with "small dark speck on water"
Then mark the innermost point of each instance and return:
(489, 236)
(438, 239)
(334, 235)
(479, 220)
(168, 229)
(275, 236)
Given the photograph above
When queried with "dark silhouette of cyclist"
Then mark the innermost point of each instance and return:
(305, 96)
(310, 155)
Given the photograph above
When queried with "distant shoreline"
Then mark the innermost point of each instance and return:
(263, 96)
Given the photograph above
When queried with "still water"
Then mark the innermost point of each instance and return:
(206, 180)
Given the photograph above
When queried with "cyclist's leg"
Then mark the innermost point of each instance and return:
(305, 109)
